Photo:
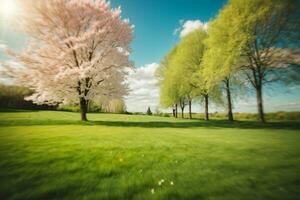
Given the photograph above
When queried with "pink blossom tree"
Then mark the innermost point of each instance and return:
(78, 51)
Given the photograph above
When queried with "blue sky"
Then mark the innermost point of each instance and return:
(155, 22)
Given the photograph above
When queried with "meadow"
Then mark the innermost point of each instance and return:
(53, 155)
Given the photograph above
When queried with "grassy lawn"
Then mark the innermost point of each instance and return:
(52, 155)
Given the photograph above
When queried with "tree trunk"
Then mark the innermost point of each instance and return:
(182, 112)
(190, 109)
(260, 106)
(173, 111)
(83, 108)
(176, 110)
(206, 107)
(182, 105)
(229, 103)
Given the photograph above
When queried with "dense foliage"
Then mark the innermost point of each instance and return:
(258, 39)
(13, 97)
(252, 40)
(180, 76)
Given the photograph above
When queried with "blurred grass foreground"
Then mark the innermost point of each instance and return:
(53, 155)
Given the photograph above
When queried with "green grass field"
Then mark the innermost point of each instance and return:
(52, 155)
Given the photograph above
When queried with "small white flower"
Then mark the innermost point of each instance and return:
(161, 182)
(152, 191)
(171, 183)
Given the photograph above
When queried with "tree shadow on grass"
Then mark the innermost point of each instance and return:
(13, 110)
(288, 125)
(204, 124)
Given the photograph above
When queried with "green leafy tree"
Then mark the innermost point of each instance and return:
(259, 38)
(186, 65)
(167, 83)
(180, 75)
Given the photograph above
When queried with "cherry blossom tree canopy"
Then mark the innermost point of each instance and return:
(78, 49)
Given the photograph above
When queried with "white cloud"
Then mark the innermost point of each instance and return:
(144, 91)
(190, 25)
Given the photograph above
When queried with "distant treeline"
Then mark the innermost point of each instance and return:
(12, 97)
(280, 115)
(274, 116)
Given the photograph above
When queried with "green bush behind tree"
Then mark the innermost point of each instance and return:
(13, 97)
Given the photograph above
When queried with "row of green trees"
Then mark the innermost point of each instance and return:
(249, 44)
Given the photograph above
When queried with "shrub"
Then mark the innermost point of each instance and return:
(166, 115)
(149, 111)
(69, 108)
(13, 97)
(116, 106)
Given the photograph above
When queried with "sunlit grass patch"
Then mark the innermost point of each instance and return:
(142, 157)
